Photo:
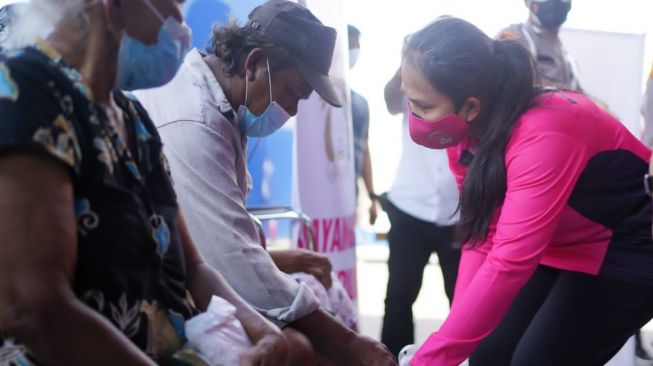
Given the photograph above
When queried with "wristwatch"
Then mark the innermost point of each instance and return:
(373, 196)
(648, 184)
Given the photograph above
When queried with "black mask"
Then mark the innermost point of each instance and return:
(552, 13)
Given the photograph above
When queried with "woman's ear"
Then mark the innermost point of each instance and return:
(470, 110)
(255, 60)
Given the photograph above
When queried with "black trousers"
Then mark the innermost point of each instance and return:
(565, 318)
(411, 243)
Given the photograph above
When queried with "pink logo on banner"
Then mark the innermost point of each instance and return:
(333, 236)
(324, 177)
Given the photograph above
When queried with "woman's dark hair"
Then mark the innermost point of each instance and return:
(232, 43)
(460, 61)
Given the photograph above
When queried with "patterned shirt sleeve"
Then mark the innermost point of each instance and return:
(145, 126)
(35, 112)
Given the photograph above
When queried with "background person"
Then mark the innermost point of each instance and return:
(556, 269)
(360, 115)
(647, 112)
(643, 357)
(540, 35)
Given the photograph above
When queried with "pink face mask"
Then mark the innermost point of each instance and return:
(442, 133)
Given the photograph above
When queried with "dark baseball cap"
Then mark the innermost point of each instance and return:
(296, 29)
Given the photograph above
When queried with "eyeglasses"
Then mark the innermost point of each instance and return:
(648, 184)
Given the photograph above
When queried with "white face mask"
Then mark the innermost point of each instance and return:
(354, 53)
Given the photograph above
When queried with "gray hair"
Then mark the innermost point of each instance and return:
(37, 19)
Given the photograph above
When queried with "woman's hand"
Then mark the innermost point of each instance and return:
(300, 260)
(271, 350)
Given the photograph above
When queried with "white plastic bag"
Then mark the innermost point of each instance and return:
(407, 353)
(341, 303)
(217, 334)
(334, 300)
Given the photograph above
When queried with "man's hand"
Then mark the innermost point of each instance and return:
(364, 351)
(373, 212)
(271, 350)
(339, 345)
(300, 260)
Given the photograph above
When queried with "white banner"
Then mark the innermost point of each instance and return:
(323, 181)
(610, 69)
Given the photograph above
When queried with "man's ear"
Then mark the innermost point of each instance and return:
(112, 9)
(255, 60)
(470, 110)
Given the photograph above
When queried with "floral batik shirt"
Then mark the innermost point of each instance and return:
(130, 262)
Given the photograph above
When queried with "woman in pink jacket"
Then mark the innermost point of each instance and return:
(557, 264)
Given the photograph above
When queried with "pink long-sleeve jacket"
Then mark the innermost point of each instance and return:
(574, 201)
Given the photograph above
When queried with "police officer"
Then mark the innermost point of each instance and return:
(540, 35)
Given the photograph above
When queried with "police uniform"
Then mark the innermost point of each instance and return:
(555, 65)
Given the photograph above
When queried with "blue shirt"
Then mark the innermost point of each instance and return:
(360, 113)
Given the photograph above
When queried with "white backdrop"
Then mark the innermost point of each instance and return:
(610, 69)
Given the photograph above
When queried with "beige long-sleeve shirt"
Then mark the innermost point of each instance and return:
(206, 152)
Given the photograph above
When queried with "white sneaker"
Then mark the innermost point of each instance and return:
(406, 354)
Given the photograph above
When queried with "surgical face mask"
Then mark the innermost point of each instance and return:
(268, 122)
(354, 53)
(552, 13)
(143, 67)
(441, 133)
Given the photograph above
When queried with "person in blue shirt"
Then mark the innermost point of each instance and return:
(360, 113)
